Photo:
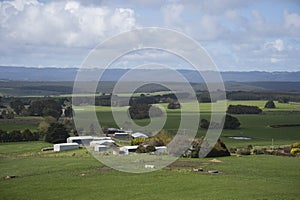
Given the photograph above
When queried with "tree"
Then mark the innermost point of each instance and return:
(204, 123)
(17, 106)
(283, 100)
(231, 122)
(174, 105)
(270, 104)
(45, 108)
(243, 109)
(69, 111)
(56, 133)
(141, 111)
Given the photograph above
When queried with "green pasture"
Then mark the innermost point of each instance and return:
(77, 175)
(20, 123)
(256, 127)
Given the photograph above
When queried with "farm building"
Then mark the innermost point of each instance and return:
(102, 142)
(66, 146)
(121, 135)
(161, 149)
(139, 135)
(112, 131)
(85, 140)
(101, 138)
(127, 149)
(99, 148)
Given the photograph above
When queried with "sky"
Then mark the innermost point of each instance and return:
(239, 35)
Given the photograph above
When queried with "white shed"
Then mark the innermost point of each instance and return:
(121, 135)
(139, 135)
(66, 146)
(101, 142)
(80, 139)
(127, 149)
(161, 149)
(100, 148)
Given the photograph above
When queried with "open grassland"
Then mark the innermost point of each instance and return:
(77, 175)
(257, 127)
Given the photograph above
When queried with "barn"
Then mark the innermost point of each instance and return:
(66, 146)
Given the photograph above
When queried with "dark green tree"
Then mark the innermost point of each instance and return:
(231, 122)
(141, 111)
(204, 123)
(17, 106)
(270, 104)
(56, 133)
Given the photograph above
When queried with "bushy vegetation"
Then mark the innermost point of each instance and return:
(270, 104)
(218, 150)
(56, 133)
(174, 105)
(18, 136)
(229, 123)
(243, 109)
(142, 111)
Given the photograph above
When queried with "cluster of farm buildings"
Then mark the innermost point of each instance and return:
(103, 144)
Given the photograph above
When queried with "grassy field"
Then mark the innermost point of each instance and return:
(20, 123)
(257, 127)
(77, 175)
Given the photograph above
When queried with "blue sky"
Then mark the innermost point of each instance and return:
(239, 35)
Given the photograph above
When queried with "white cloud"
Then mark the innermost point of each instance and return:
(277, 45)
(66, 23)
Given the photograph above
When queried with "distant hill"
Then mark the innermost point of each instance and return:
(69, 74)
(21, 81)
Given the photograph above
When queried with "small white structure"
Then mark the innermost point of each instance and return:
(121, 135)
(161, 149)
(102, 142)
(149, 166)
(139, 135)
(99, 148)
(80, 139)
(127, 149)
(66, 146)
(101, 138)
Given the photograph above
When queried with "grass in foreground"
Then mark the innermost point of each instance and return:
(77, 175)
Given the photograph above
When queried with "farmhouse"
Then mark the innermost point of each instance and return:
(138, 135)
(66, 146)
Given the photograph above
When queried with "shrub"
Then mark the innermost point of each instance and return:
(295, 145)
(243, 151)
(141, 111)
(231, 122)
(204, 123)
(270, 104)
(243, 109)
(295, 151)
(174, 105)
(137, 141)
